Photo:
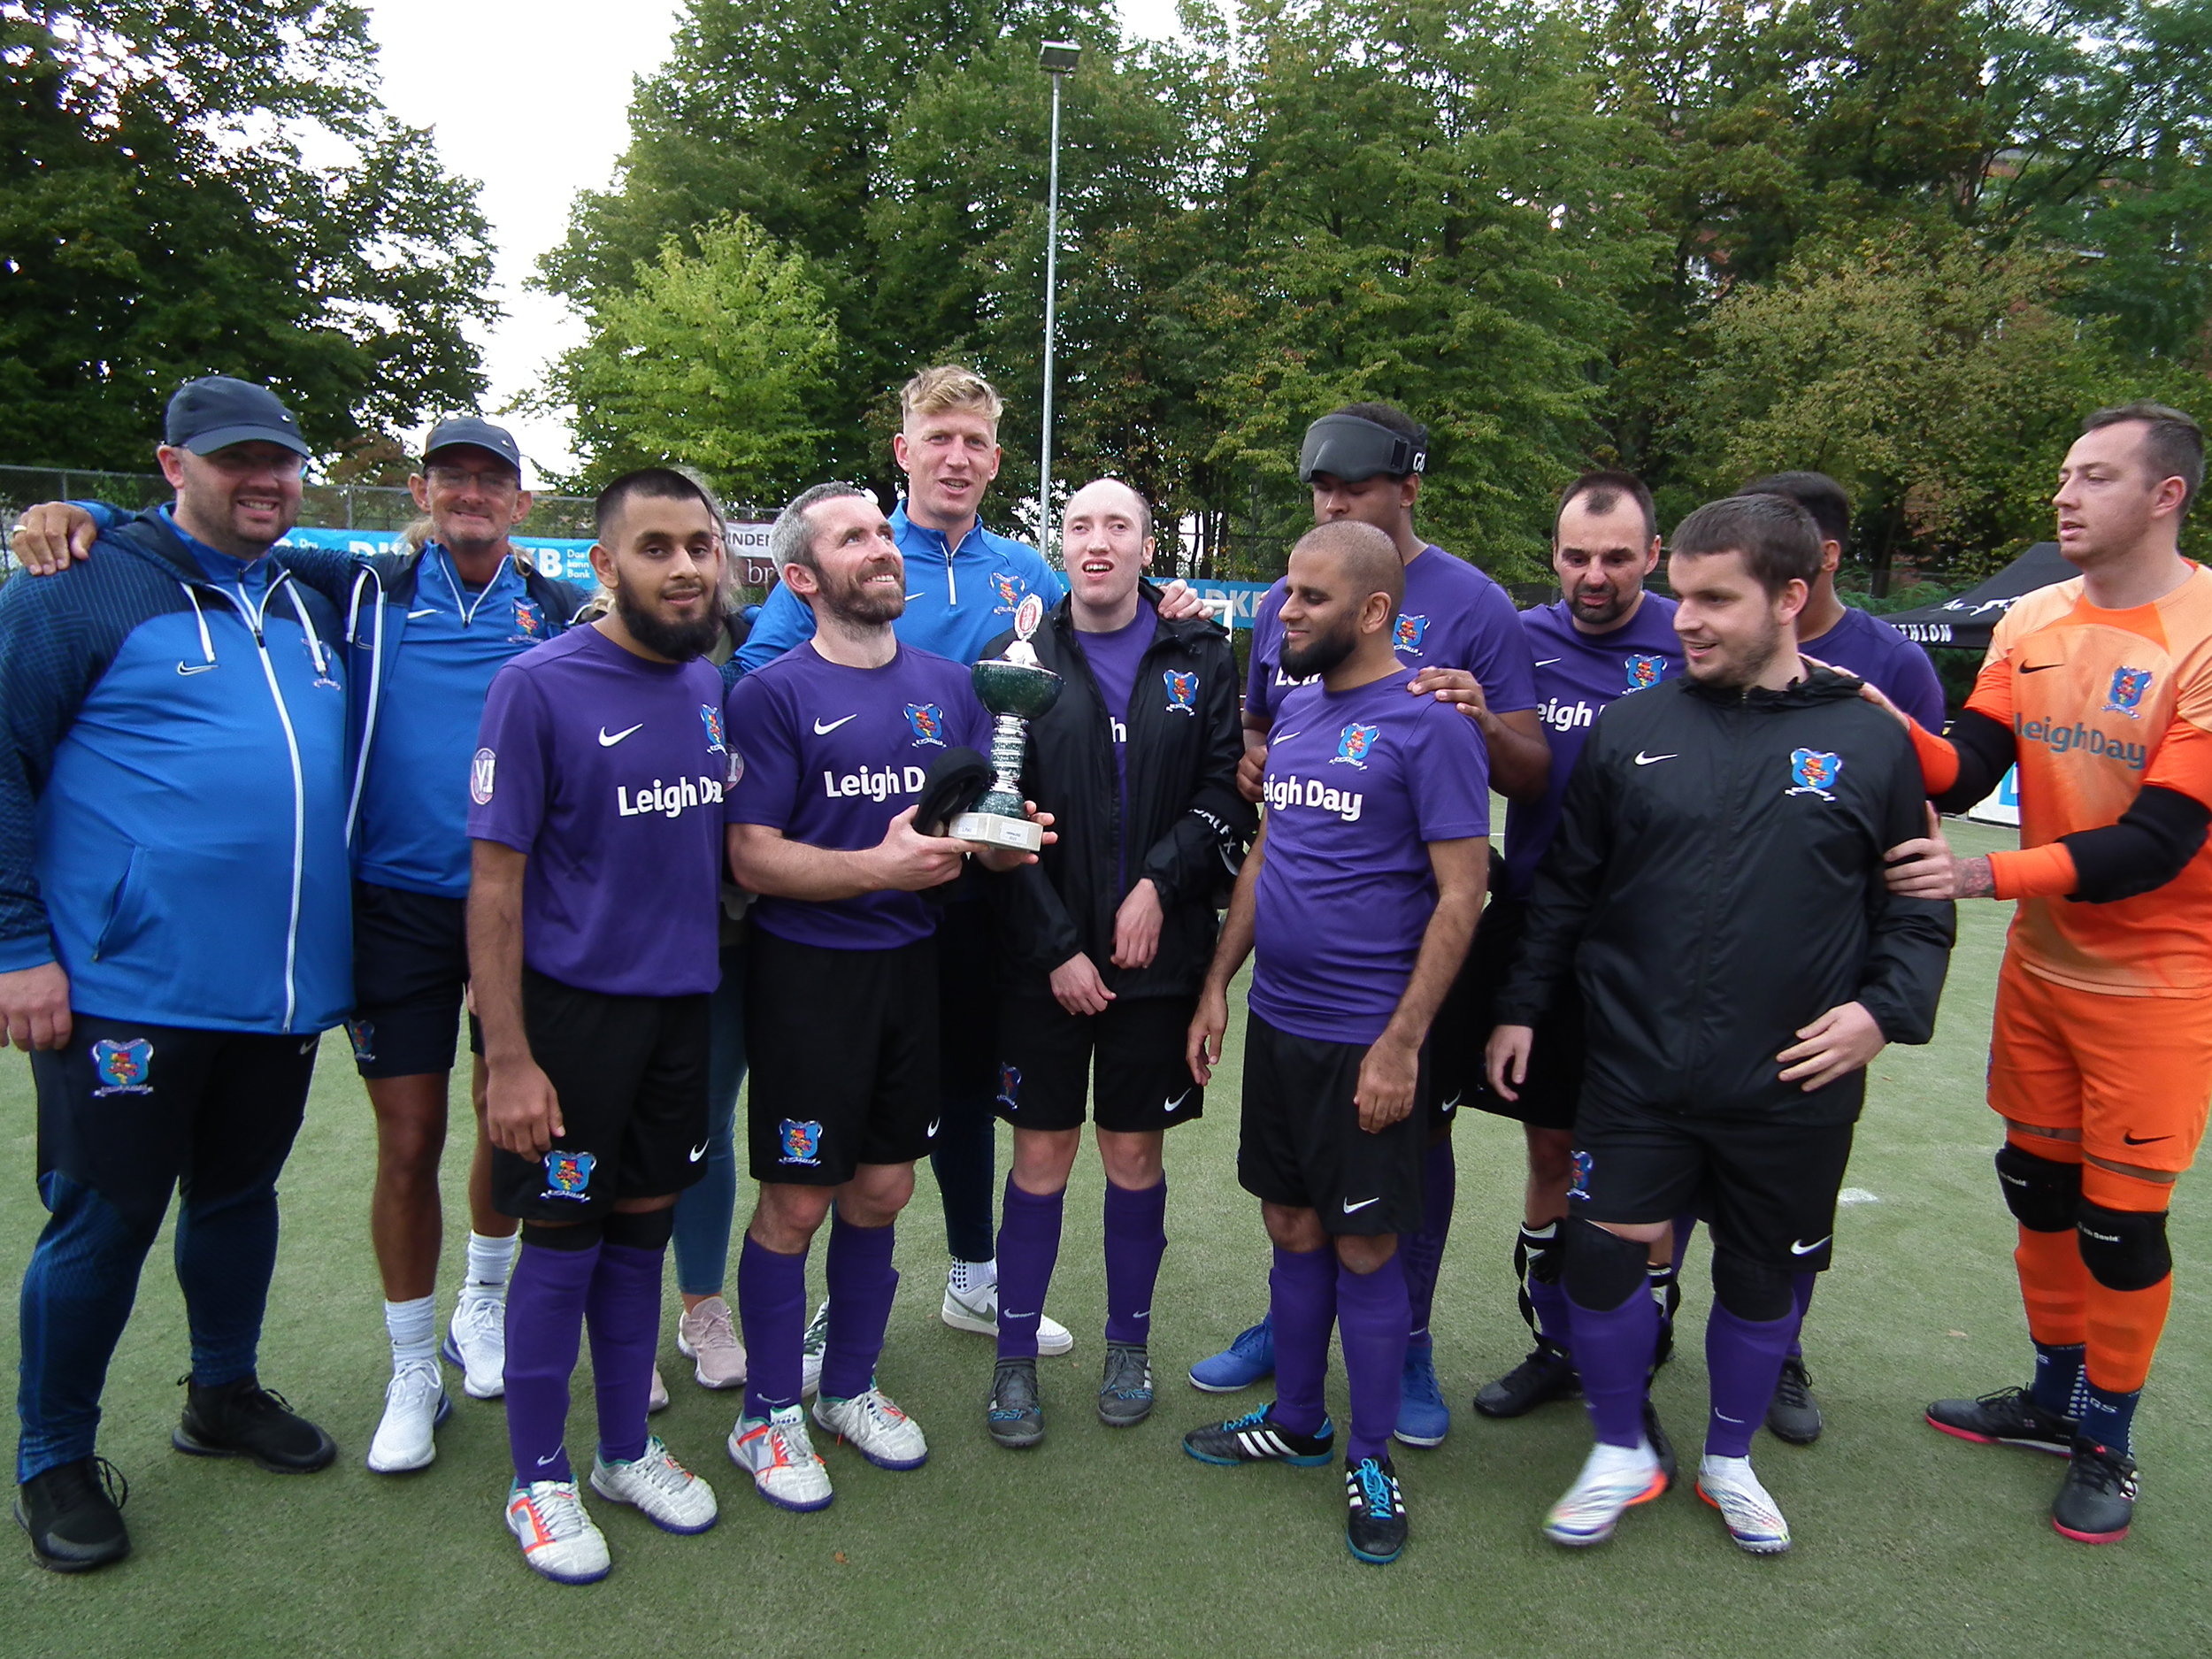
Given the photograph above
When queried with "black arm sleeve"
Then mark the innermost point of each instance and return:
(1909, 951)
(1985, 750)
(2151, 843)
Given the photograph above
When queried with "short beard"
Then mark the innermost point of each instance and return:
(1321, 655)
(1748, 668)
(678, 641)
(1614, 608)
(854, 604)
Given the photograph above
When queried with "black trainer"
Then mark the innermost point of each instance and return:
(1255, 1438)
(2008, 1417)
(1548, 1374)
(1017, 1416)
(1124, 1393)
(244, 1419)
(74, 1515)
(1660, 1445)
(1375, 1528)
(1793, 1415)
(2098, 1501)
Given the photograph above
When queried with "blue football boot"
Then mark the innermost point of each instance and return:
(1248, 1360)
(1424, 1419)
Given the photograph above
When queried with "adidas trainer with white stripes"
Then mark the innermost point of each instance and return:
(1256, 1438)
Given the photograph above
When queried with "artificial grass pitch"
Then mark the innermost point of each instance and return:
(1112, 1541)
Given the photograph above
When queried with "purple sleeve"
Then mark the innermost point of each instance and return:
(1449, 779)
(969, 720)
(1266, 635)
(509, 781)
(1498, 654)
(1915, 687)
(765, 753)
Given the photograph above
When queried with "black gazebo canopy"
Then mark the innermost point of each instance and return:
(1969, 619)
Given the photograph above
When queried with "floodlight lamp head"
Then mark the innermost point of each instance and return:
(1059, 58)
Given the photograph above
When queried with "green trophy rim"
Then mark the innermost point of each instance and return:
(1015, 689)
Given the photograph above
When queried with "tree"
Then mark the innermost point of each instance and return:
(720, 357)
(159, 219)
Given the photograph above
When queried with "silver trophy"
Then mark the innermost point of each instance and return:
(1016, 689)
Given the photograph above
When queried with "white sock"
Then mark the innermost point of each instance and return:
(490, 1261)
(969, 1276)
(414, 1330)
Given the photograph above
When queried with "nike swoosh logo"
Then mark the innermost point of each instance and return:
(2143, 1140)
(1178, 1101)
(1643, 759)
(1349, 1206)
(1451, 1105)
(1725, 1417)
(1806, 1249)
(824, 730)
(549, 1458)
(915, 594)
(195, 668)
(1546, 662)
(932, 1127)
(698, 1152)
(1008, 1313)
(1146, 1314)
(2037, 668)
(609, 742)
(433, 612)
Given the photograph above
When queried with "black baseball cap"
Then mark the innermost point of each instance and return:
(207, 414)
(480, 434)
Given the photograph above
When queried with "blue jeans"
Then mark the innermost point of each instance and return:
(704, 1210)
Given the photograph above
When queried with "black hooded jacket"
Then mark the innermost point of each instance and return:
(1187, 826)
(1716, 884)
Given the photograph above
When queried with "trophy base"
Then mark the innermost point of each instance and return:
(993, 829)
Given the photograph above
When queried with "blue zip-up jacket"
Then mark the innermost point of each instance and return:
(958, 599)
(173, 789)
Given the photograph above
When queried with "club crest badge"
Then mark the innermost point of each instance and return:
(1182, 693)
(480, 770)
(801, 1142)
(710, 717)
(122, 1066)
(1409, 634)
(1009, 591)
(362, 1034)
(1813, 771)
(926, 721)
(1010, 1087)
(1579, 1187)
(529, 620)
(1354, 744)
(1645, 671)
(2126, 695)
(568, 1175)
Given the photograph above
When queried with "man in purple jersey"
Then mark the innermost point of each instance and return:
(838, 737)
(1458, 628)
(1604, 638)
(596, 828)
(1359, 897)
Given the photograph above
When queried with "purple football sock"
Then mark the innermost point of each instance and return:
(1743, 1358)
(771, 1308)
(1028, 1249)
(1371, 1320)
(624, 1307)
(1136, 1238)
(1545, 1294)
(1302, 1305)
(1613, 1352)
(1802, 1287)
(1422, 1253)
(862, 1282)
(1685, 1224)
(545, 1318)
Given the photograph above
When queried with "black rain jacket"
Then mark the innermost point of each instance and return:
(1187, 826)
(1716, 884)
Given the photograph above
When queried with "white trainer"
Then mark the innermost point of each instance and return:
(656, 1400)
(415, 1402)
(776, 1452)
(1614, 1479)
(810, 1352)
(707, 1336)
(877, 1429)
(476, 1342)
(558, 1539)
(977, 1311)
(660, 1489)
(1754, 1520)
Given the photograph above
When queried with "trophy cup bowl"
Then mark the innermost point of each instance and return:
(1015, 691)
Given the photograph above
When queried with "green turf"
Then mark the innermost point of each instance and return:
(1108, 1542)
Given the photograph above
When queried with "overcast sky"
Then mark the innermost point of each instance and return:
(532, 100)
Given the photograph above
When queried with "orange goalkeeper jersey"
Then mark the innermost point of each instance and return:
(2099, 703)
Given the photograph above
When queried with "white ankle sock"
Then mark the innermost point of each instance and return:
(970, 1277)
(490, 1261)
(413, 1327)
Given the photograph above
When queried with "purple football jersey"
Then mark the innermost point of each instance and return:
(1577, 675)
(830, 755)
(1358, 784)
(609, 771)
(1870, 649)
(1453, 616)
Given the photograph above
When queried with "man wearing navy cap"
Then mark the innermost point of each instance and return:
(425, 630)
(174, 938)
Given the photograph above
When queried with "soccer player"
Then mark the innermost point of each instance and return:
(1604, 638)
(173, 939)
(1358, 898)
(1726, 1052)
(597, 830)
(1108, 936)
(2100, 690)
(1365, 463)
(837, 740)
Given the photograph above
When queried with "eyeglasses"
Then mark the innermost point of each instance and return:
(491, 479)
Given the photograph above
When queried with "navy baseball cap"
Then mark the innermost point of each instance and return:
(480, 434)
(205, 415)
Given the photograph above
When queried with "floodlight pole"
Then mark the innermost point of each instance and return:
(1057, 59)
